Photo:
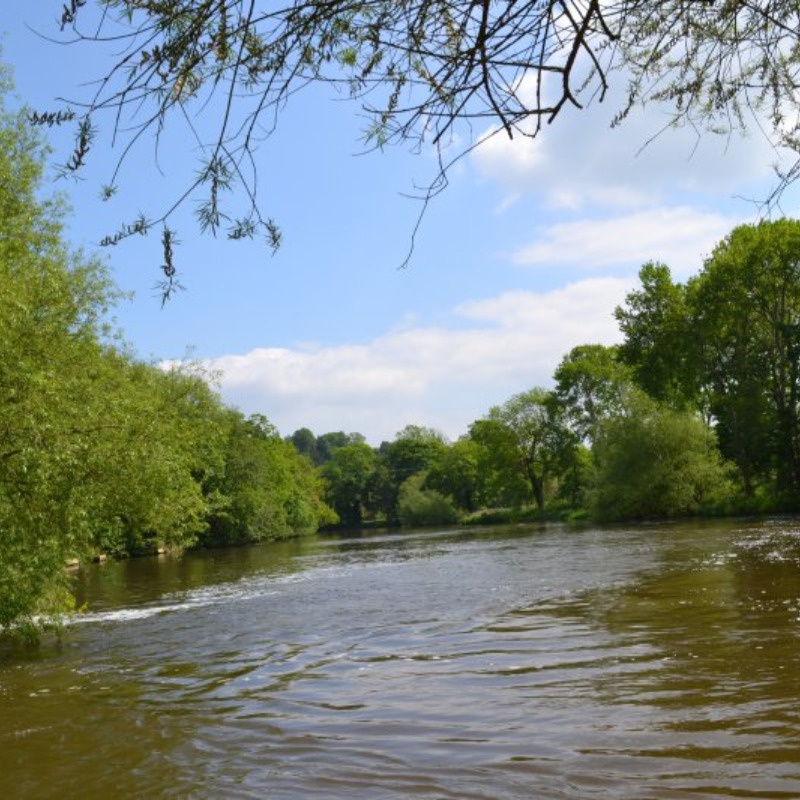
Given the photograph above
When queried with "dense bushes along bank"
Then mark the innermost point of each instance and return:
(98, 451)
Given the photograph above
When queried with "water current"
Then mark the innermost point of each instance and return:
(638, 662)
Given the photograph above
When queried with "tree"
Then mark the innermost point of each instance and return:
(329, 443)
(153, 438)
(659, 346)
(418, 506)
(348, 475)
(654, 461)
(422, 71)
(728, 345)
(746, 313)
(51, 304)
(415, 449)
(530, 426)
(500, 481)
(455, 473)
(268, 491)
(100, 452)
(591, 384)
(305, 443)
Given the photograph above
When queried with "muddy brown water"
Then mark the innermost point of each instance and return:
(635, 662)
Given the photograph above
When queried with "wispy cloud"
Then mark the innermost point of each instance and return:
(581, 161)
(681, 237)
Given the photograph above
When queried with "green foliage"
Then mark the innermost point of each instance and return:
(728, 345)
(99, 452)
(591, 385)
(455, 473)
(531, 426)
(267, 491)
(659, 346)
(417, 506)
(746, 314)
(653, 461)
(415, 449)
(348, 475)
(500, 481)
(50, 303)
(328, 443)
(305, 443)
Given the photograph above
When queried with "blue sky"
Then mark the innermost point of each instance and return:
(524, 256)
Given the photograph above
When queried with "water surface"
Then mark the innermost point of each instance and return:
(640, 662)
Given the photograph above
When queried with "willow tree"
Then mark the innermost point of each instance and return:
(421, 72)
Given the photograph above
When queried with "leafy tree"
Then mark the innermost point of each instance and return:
(728, 344)
(420, 69)
(500, 481)
(348, 475)
(329, 443)
(576, 476)
(659, 346)
(382, 490)
(100, 452)
(306, 444)
(746, 313)
(455, 473)
(51, 304)
(529, 426)
(269, 491)
(418, 506)
(591, 384)
(654, 461)
(415, 449)
(156, 439)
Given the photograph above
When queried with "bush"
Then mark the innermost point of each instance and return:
(657, 462)
(417, 506)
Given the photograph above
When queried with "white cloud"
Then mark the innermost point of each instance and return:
(680, 237)
(437, 376)
(581, 161)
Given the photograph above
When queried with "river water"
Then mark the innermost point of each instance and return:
(530, 662)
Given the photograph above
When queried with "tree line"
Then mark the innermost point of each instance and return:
(100, 452)
(696, 411)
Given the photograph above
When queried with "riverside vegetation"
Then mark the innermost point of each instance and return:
(695, 412)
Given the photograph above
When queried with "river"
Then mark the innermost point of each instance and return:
(658, 661)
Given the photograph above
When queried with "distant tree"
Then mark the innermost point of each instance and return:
(306, 444)
(348, 475)
(418, 506)
(382, 489)
(500, 481)
(530, 426)
(268, 491)
(329, 443)
(653, 461)
(591, 384)
(454, 473)
(659, 346)
(745, 307)
(415, 449)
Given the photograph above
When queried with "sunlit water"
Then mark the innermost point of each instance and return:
(642, 662)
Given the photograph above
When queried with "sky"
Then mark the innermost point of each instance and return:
(524, 256)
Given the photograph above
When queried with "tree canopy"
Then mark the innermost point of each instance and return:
(100, 452)
(423, 72)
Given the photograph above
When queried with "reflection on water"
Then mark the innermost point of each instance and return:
(649, 662)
